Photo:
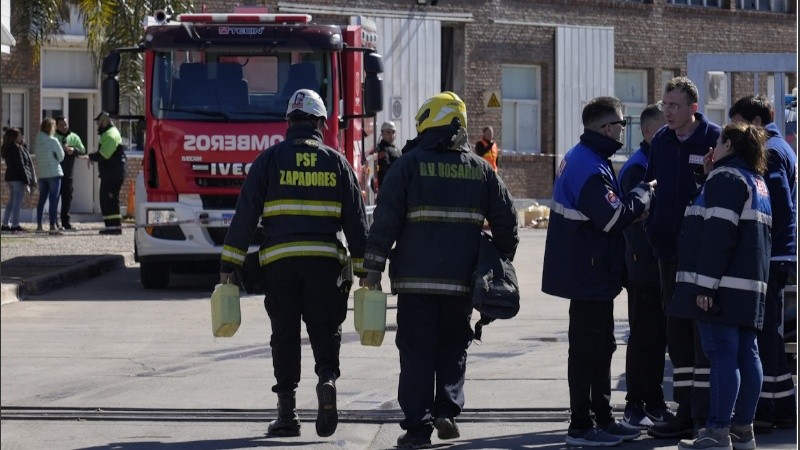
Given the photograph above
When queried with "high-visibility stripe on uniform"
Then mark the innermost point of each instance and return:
(112, 217)
(429, 286)
(568, 213)
(727, 214)
(296, 207)
(233, 255)
(743, 284)
(301, 248)
(358, 264)
(439, 214)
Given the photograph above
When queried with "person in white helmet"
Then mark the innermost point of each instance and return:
(303, 192)
(386, 150)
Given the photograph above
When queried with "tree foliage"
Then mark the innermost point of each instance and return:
(109, 24)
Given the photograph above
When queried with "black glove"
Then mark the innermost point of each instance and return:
(373, 280)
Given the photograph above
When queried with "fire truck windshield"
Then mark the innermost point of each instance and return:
(234, 86)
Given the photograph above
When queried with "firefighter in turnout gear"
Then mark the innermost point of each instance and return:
(111, 160)
(304, 192)
(431, 207)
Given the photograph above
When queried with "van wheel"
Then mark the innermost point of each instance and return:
(154, 274)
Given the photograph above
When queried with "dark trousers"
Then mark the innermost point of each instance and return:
(591, 344)
(66, 199)
(433, 333)
(109, 201)
(777, 400)
(644, 360)
(304, 288)
(690, 367)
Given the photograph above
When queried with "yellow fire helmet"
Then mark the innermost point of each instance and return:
(440, 110)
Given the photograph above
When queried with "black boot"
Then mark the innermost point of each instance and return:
(327, 416)
(287, 424)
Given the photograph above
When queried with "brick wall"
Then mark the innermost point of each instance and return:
(653, 35)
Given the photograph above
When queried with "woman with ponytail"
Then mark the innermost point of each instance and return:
(723, 264)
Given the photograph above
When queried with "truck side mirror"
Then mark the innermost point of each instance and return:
(373, 84)
(373, 94)
(373, 63)
(111, 64)
(109, 91)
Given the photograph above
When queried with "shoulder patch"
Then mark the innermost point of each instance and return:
(561, 167)
(761, 187)
(612, 199)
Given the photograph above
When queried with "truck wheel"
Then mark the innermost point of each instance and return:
(154, 274)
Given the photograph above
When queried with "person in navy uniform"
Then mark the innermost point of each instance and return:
(722, 271)
(584, 261)
(644, 360)
(677, 151)
(777, 404)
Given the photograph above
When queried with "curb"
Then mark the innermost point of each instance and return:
(14, 292)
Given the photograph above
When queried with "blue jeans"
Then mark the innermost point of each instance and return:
(736, 375)
(48, 191)
(16, 190)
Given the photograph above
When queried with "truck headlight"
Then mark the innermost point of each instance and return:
(158, 216)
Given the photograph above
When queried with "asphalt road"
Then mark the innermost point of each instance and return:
(105, 364)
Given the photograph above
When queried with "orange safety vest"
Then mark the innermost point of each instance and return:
(491, 154)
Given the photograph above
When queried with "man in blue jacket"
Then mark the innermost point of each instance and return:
(776, 406)
(431, 207)
(677, 151)
(644, 360)
(584, 262)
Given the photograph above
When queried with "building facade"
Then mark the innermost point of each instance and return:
(524, 67)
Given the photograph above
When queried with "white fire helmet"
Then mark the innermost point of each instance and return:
(308, 102)
(388, 126)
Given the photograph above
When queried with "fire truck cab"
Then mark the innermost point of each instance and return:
(216, 89)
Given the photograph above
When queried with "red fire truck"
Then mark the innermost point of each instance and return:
(216, 89)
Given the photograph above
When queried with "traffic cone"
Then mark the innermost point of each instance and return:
(130, 211)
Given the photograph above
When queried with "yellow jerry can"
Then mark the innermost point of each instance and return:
(226, 316)
(369, 314)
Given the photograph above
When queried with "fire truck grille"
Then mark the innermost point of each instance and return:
(219, 201)
(219, 182)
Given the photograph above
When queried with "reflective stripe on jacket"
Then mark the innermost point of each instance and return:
(304, 193)
(432, 207)
(724, 248)
(584, 248)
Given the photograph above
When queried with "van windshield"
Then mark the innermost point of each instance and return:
(234, 86)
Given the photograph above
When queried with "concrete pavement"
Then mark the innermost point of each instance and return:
(107, 365)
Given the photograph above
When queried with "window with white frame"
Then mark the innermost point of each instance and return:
(717, 101)
(763, 5)
(630, 86)
(14, 111)
(522, 120)
(709, 3)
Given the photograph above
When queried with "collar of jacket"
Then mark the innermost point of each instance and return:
(733, 160)
(437, 139)
(487, 144)
(303, 131)
(697, 135)
(772, 130)
(644, 146)
(603, 145)
(104, 129)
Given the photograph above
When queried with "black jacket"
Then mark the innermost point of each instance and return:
(19, 166)
(304, 192)
(432, 207)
